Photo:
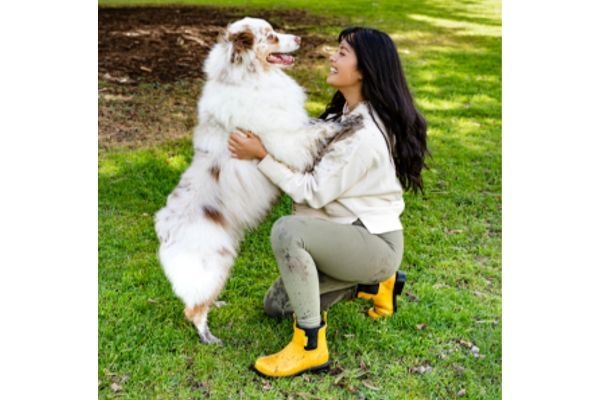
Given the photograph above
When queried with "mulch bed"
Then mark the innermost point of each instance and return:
(150, 65)
(167, 44)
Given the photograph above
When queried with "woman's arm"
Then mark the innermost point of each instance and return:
(342, 165)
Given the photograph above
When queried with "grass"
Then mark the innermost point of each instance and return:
(451, 53)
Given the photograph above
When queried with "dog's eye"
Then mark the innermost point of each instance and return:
(272, 37)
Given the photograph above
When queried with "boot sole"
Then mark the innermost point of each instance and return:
(313, 370)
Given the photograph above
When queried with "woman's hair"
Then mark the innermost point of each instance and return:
(384, 87)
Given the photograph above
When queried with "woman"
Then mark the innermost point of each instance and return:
(345, 230)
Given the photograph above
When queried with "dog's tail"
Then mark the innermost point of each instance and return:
(198, 261)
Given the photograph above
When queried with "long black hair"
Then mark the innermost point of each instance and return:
(384, 87)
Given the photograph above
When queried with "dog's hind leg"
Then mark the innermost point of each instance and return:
(198, 315)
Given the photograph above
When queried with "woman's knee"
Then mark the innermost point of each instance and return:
(285, 234)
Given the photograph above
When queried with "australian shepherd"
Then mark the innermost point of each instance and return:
(219, 197)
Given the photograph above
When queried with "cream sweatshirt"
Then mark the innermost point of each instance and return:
(355, 178)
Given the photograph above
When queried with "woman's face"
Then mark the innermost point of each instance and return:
(343, 73)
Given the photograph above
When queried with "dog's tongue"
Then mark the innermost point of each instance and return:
(280, 58)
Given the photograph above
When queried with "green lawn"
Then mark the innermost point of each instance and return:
(451, 51)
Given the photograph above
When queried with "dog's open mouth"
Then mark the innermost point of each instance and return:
(280, 58)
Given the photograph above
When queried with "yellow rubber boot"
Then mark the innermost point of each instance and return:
(306, 352)
(383, 295)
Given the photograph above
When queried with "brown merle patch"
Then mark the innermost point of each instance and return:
(214, 215)
(215, 172)
(225, 252)
(242, 41)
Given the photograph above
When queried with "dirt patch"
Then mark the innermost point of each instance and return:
(167, 44)
(150, 66)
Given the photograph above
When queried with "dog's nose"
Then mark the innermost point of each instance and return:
(297, 39)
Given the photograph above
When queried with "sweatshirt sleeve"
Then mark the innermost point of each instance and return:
(344, 163)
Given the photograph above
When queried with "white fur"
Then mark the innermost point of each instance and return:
(242, 91)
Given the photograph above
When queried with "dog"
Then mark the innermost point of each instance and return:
(219, 197)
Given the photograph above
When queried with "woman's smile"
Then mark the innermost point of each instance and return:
(343, 71)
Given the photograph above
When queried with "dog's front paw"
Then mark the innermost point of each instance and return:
(352, 122)
(349, 126)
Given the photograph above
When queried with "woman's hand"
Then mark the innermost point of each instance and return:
(245, 145)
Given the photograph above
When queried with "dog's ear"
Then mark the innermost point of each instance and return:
(242, 41)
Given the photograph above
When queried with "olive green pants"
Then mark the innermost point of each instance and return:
(321, 262)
